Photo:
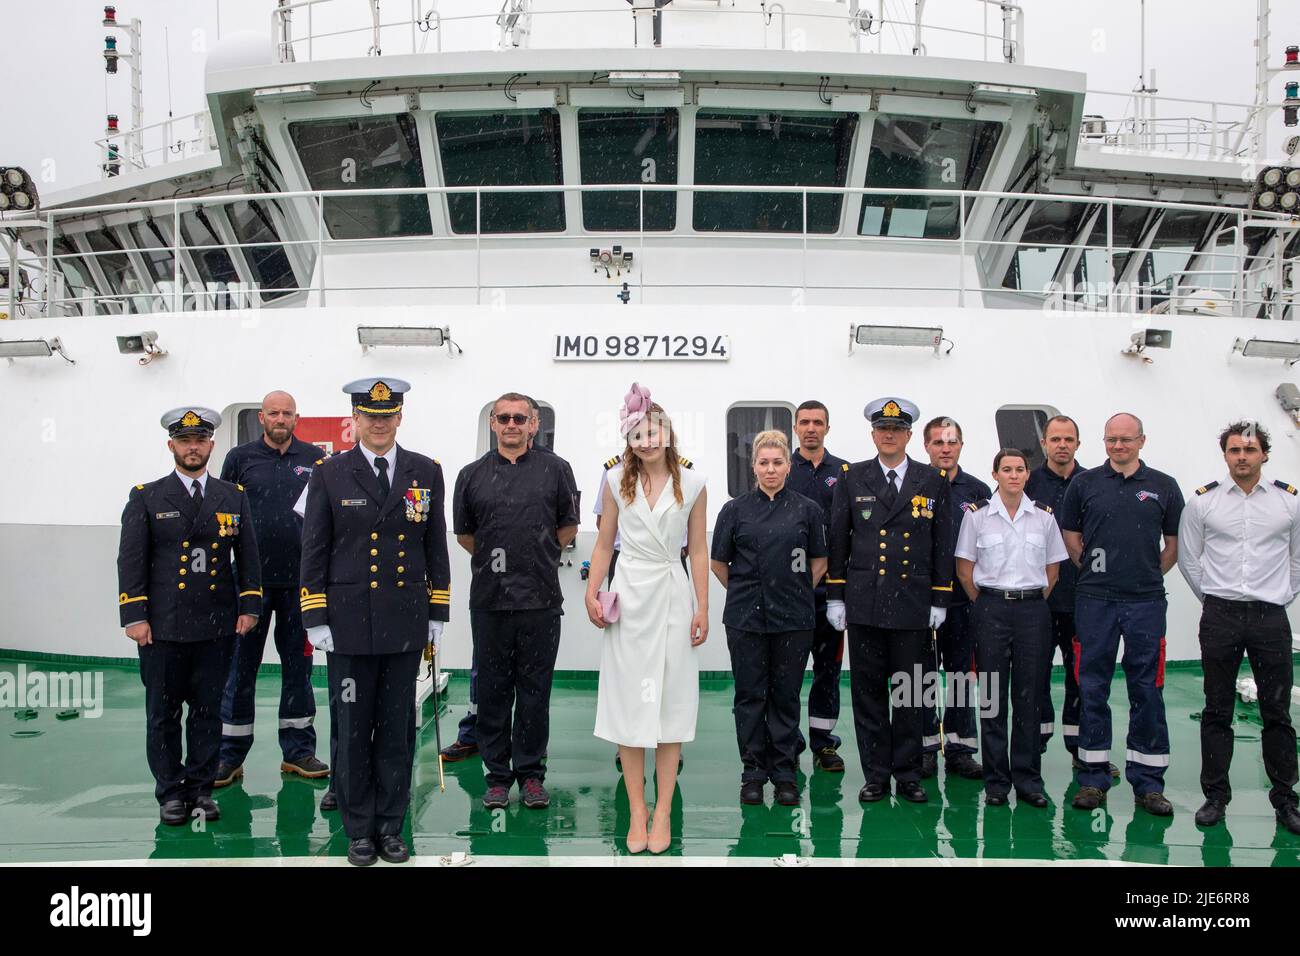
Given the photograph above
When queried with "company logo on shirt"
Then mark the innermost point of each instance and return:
(301, 470)
(968, 506)
(1144, 495)
(830, 481)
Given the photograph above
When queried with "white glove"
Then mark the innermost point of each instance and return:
(320, 637)
(836, 616)
(937, 616)
(435, 634)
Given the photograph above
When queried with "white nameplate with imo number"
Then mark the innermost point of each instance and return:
(642, 347)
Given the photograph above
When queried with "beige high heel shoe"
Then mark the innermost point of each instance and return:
(657, 842)
(637, 838)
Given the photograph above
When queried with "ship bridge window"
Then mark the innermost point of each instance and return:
(212, 261)
(113, 262)
(628, 146)
(76, 276)
(921, 153)
(517, 148)
(382, 152)
(1022, 426)
(1051, 227)
(744, 422)
(262, 249)
(1181, 233)
(736, 148)
(154, 249)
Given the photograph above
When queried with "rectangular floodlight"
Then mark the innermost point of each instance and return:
(913, 336)
(26, 348)
(644, 78)
(1268, 349)
(372, 335)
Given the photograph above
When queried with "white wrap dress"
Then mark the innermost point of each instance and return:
(649, 672)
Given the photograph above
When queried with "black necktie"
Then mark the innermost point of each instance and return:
(891, 493)
(198, 495)
(384, 487)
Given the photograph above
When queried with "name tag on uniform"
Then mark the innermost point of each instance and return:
(865, 498)
(167, 514)
(353, 502)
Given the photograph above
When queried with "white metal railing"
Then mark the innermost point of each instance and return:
(1144, 121)
(865, 26)
(1255, 282)
(177, 137)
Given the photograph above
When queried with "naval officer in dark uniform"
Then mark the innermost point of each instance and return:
(376, 588)
(189, 580)
(890, 579)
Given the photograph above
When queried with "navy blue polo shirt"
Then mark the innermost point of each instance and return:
(1047, 487)
(513, 511)
(816, 482)
(273, 482)
(962, 490)
(769, 544)
(1122, 521)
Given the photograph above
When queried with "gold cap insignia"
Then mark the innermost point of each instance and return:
(892, 410)
(379, 392)
(190, 420)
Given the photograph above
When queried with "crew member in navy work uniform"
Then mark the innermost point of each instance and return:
(1239, 549)
(769, 546)
(814, 472)
(514, 510)
(273, 469)
(1009, 550)
(376, 589)
(890, 581)
(954, 640)
(1113, 518)
(189, 579)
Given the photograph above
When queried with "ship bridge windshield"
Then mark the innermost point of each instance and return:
(734, 148)
(207, 249)
(924, 153)
(628, 146)
(382, 152)
(1181, 233)
(77, 281)
(266, 257)
(113, 262)
(154, 250)
(517, 148)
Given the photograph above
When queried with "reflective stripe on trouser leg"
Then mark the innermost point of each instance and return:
(824, 695)
(1098, 625)
(1147, 746)
(297, 697)
(238, 707)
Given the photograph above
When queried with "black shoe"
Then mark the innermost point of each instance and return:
(307, 766)
(995, 799)
(226, 775)
(329, 802)
(929, 765)
(913, 792)
(787, 793)
(751, 792)
(1210, 814)
(392, 848)
(204, 807)
(964, 765)
(534, 795)
(458, 751)
(827, 759)
(1036, 799)
(1289, 817)
(1088, 798)
(1155, 804)
(361, 851)
(174, 813)
(872, 792)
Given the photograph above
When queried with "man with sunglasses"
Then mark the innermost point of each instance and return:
(514, 510)
(1120, 524)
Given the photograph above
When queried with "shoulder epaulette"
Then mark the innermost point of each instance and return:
(612, 462)
(943, 473)
(1214, 484)
(239, 486)
(975, 505)
(844, 467)
(1047, 508)
(320, 461)
(685, 462)
(437, 462)
(139, 487)
(1289, 489)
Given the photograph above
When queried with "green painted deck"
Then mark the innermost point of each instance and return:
(81, 791)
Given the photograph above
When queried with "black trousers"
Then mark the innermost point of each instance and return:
(516, 662)
(824, 696)
(373, 697)
(882, 660)
(191, 673)
(768, 670)
(1229, 630)
(1065, 636)
(955, 649)
(1012, 639)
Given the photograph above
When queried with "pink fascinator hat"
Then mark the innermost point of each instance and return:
(636, 405)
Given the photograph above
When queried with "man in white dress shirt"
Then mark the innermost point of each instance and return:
(1008, 555)
(1240, 552)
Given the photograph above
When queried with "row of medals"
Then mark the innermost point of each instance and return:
(417, 510)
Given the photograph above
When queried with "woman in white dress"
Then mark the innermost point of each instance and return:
(649, 674)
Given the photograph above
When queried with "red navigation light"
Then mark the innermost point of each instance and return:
(112, 122)
(110, 16)
(1293, 56)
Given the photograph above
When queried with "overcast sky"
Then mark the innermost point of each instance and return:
(57, 90)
